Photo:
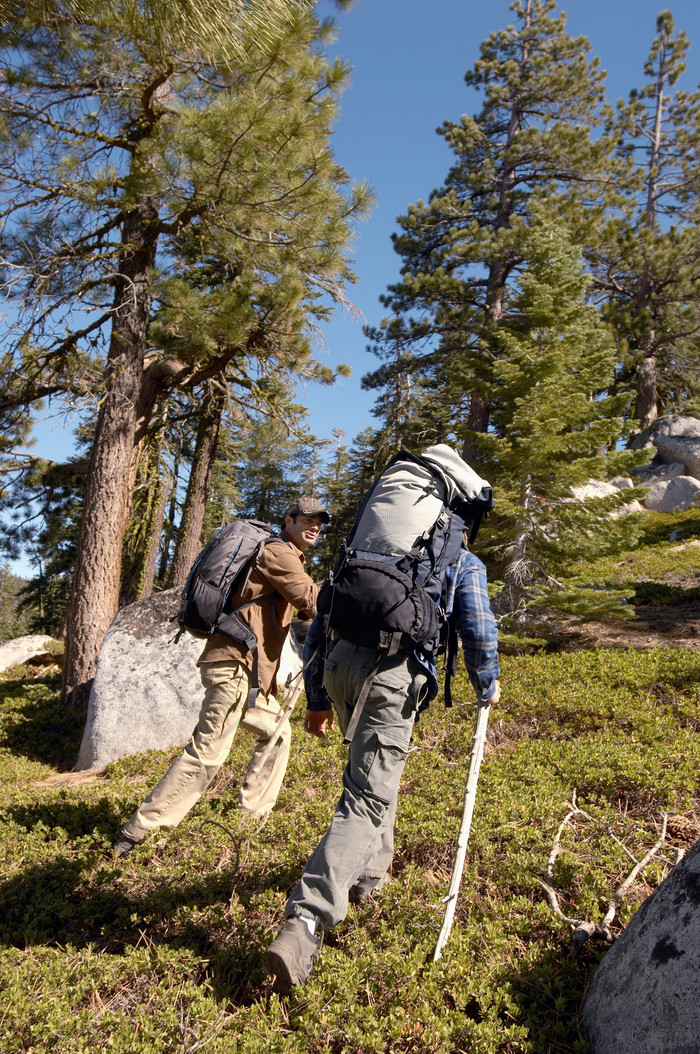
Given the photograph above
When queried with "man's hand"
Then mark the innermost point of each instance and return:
(318, 722)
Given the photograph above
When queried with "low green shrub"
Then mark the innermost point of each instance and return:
(162, 952)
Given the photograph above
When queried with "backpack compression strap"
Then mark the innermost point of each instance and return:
(391, 647)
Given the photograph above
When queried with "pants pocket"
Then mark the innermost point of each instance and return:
(379, 767)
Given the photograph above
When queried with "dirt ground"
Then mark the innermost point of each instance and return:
(655, 627)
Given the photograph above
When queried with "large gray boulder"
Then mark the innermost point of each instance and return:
(15, 652)
(672, 495)
(656, 472)
(669, 425)
(671, 449)
(594, 488)
(644, 995)
(147, 692)
(598, 488)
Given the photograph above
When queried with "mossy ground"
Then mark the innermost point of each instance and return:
(162, 952)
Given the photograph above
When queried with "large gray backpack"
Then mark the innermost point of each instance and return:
(384, 589)
(220, 571)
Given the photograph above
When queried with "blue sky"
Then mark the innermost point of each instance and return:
(409, 58)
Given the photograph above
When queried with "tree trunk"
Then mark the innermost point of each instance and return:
(646, 407)
(143, 538)
(189, 536)
(477, 421)
(114, 459)
(499, 269)
(150, 563)
(169, 532)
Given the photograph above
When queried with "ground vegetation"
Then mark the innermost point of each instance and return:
(163, 952)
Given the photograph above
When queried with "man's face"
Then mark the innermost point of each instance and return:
(303, 529)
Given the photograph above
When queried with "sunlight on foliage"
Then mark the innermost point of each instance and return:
(163, 951)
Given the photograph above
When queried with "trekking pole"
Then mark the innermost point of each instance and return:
(288, 703)
(477, 753)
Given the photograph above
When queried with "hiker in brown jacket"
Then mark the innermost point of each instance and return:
(278, 585)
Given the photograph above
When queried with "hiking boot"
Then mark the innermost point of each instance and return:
(290, 957)
(366, 887)
(124, 845)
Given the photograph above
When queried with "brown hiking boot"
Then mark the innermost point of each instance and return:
(290, 957)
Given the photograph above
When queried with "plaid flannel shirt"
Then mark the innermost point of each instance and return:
(467, 601)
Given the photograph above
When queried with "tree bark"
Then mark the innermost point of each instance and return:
(140, 556)
(150, 562)
(477, 421)
(646, 378)
(114, 459)
(646, 407)
(189, 535)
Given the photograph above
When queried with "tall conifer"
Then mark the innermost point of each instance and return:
(650, 255)
(532, 141)
(115, 139)
(554, 424)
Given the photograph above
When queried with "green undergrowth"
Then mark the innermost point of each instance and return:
(667, 550)
(162, 952)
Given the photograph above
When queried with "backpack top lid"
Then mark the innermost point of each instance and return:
(460, 479)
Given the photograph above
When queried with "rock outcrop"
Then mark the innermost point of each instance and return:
(644, 995)
(673, 476)
(147, 692)
(19, 650)
(675, 425)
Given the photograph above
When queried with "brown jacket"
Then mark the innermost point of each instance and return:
(279, 585)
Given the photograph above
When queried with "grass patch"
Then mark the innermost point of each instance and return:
(163, 951)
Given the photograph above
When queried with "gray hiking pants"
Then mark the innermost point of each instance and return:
(360, 839)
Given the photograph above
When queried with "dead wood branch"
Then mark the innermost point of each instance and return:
(584, 931)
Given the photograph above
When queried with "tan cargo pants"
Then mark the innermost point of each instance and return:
(224, 707)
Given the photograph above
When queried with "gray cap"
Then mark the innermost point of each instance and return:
(307, 506)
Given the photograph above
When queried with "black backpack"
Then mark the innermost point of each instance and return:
(220, 571)
(384, 589)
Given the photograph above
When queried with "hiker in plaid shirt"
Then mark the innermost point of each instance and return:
(352, 861)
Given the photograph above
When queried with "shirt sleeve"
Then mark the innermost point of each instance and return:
(476, 625)
(317, 697)
(281, 565)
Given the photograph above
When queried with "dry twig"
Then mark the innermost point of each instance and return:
(584, 931)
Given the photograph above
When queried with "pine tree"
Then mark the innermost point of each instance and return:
(554, 424)
(13, 621)
(532, 141)
(205, 24)
(53, 494)
(649, 260)
(343, 485)
(112, 145)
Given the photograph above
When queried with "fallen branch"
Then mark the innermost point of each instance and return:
(584, 931)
